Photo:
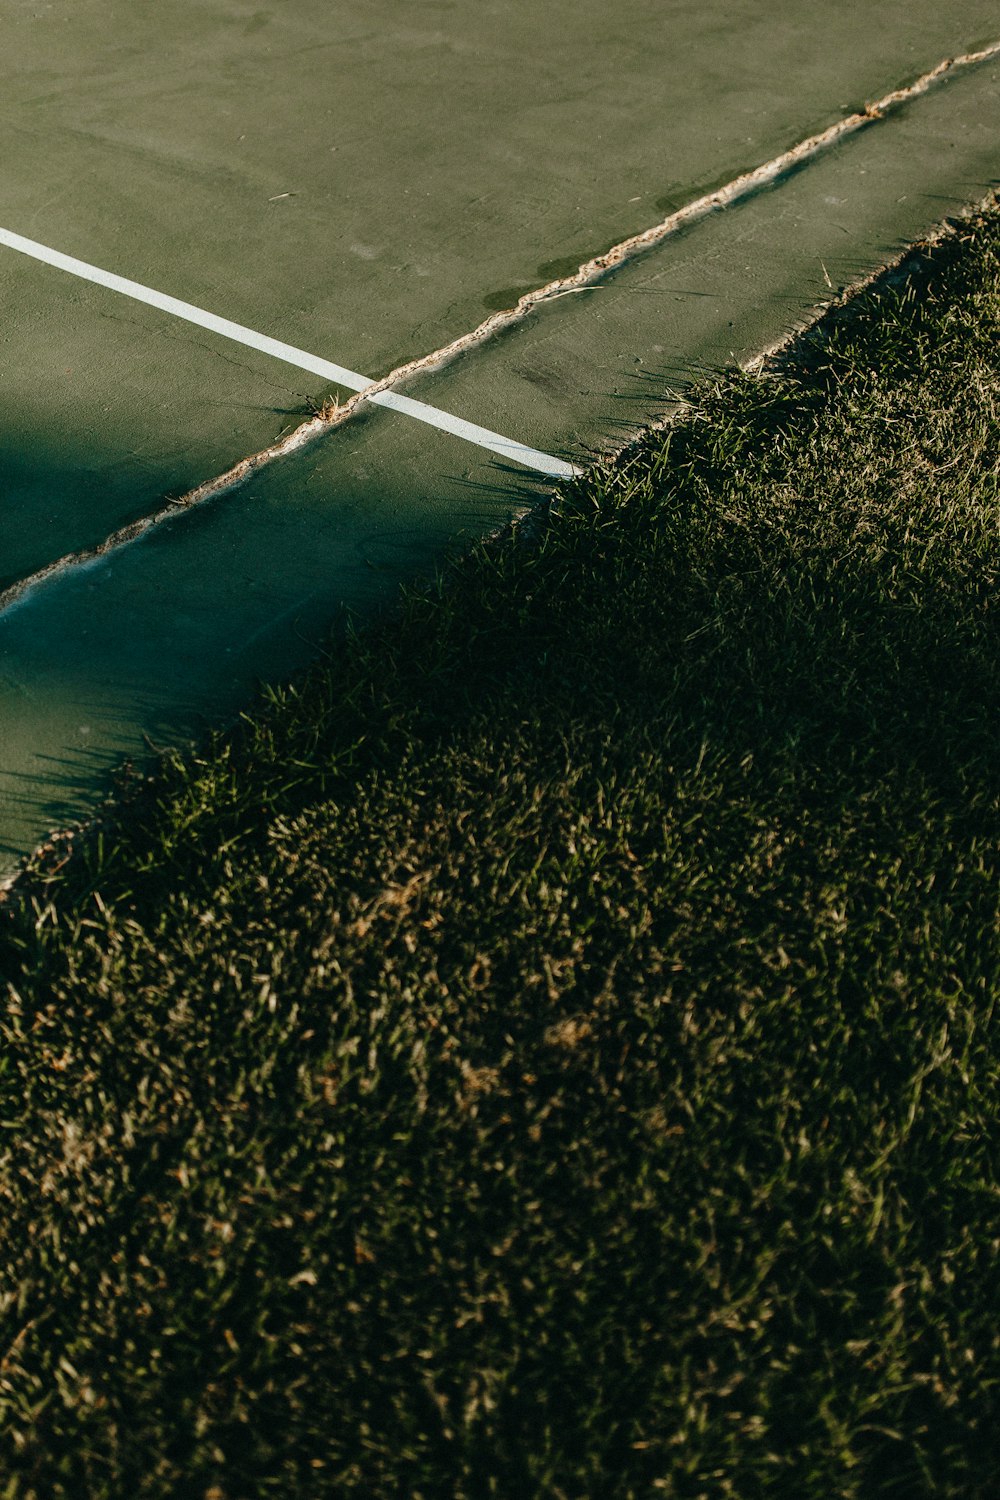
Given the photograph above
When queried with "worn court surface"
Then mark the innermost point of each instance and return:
(367, 184)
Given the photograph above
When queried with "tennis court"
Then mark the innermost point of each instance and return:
(219, 217)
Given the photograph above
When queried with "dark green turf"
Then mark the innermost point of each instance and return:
(552, 1050)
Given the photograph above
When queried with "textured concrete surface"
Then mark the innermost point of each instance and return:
(361, 181)
(438, 160)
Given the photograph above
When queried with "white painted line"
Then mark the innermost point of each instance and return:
(545, 463)
(532, 458)
(185, 310)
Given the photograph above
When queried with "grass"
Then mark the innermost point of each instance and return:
(551, 1050)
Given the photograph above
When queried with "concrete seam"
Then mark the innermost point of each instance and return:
(593, 271)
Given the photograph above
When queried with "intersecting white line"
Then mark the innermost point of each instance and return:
(471, 432)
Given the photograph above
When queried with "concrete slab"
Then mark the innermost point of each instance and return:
(371, 177)
(362, 182)
(170, 632)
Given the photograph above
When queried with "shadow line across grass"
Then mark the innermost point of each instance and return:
(550, 1049)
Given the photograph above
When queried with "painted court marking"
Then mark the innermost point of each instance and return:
(532, 458)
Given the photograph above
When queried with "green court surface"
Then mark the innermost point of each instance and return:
(367, 185)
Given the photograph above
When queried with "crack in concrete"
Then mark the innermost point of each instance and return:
(238, 474)
(333, 415)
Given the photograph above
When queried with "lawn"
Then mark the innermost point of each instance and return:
(550, 1049)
